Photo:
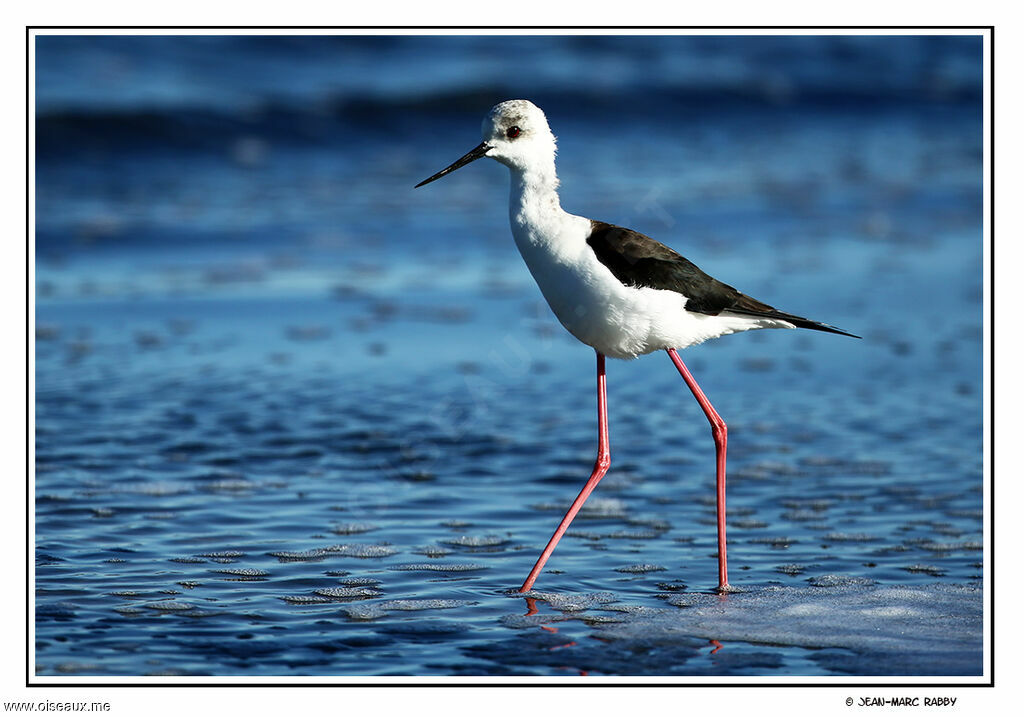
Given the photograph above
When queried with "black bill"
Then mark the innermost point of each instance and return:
(474, 154)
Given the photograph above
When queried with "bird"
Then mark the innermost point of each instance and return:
(616, 290)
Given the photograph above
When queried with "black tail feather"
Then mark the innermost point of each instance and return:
(818, 326)
(798, 321)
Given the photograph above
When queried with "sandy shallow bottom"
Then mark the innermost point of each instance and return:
(223, 490)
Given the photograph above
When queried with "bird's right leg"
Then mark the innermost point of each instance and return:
(604, 459)
(720, 433)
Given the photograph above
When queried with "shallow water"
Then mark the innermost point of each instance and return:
(293, 418)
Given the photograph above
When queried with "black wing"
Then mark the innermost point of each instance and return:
(638, 260)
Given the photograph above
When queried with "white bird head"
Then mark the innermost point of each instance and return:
(515, 133)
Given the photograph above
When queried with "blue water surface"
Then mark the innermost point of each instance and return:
(295, 418)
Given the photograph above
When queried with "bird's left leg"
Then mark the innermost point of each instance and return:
(604, 459)
(721, 435)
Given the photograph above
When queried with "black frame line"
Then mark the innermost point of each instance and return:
(448, 682)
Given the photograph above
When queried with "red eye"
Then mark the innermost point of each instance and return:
(512, 132)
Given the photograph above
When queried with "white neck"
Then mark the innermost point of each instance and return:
(534, 209)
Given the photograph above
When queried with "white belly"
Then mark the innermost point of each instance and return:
(616, 320)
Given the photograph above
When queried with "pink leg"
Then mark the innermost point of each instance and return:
(604, 459)
(721, 436)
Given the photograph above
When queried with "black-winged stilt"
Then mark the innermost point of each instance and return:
(614, 289)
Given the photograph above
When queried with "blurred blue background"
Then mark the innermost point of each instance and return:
(253, 336)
